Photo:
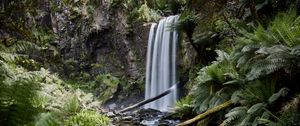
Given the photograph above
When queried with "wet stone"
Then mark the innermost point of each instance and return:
(145, 117)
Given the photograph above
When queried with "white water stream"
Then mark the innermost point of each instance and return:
(161, 63)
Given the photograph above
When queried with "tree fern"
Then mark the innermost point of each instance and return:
(186, 19)
(256, 98)
(235, 116)
(271, 59)
(268, 50)
(18, 89)
(211, 89)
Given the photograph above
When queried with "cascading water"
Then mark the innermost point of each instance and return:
(161, 63)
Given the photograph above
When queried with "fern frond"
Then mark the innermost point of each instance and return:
(281, 93)
(235, 116)
(18, 88)
(278, 58)
(286, 28)
(186, 19)
(72, 105)
(87, 118)
(256, 108)
(295, 51)
(47, 119)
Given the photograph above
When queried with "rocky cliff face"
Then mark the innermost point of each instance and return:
(100, 41)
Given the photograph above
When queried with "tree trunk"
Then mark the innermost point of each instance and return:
(254, 11)
(207, 113)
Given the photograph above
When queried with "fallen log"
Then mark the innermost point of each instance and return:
(207, 113)
(181, 83)
(150, 99)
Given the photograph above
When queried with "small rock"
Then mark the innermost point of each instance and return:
(127, 118)
(117, 119)
(111, 114)
(112, 106)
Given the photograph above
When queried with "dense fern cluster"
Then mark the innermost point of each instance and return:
(267, 50)
(211, 90)
(42, 99)
(65, 106)
(18, 89)
(39, 97)
(259, 74)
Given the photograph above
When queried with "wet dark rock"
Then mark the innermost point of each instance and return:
(111, 114)
(112, 106)
(145, 117)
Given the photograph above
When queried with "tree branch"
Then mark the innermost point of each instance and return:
(149, 100)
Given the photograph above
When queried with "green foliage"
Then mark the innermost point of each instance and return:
(47, 119)
(147, 14)
(23, 32)
(72, 105)
(211, 89)
(57, 96)
(186, 20)
(107, 79)
(266, 51)
(13, 12)
(79, 8)
(10, 46)
(290, 114)
(184, 107)
(64, 105)
(255, 92)
(139, 11)
(286, 29)
(254, 100)
(106, 84)
(103, 86)
(148, 10)
(87, 118)
(252, 75)
(18, 88)
(82, 118)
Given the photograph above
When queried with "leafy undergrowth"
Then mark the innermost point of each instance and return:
(40, 98)
(259, 73)
(65, 106)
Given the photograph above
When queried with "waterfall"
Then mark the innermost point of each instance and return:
(161, 63)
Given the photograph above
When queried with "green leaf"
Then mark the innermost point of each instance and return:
(72, 106)
(282, 92)
(255, 108)
(235, 97)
